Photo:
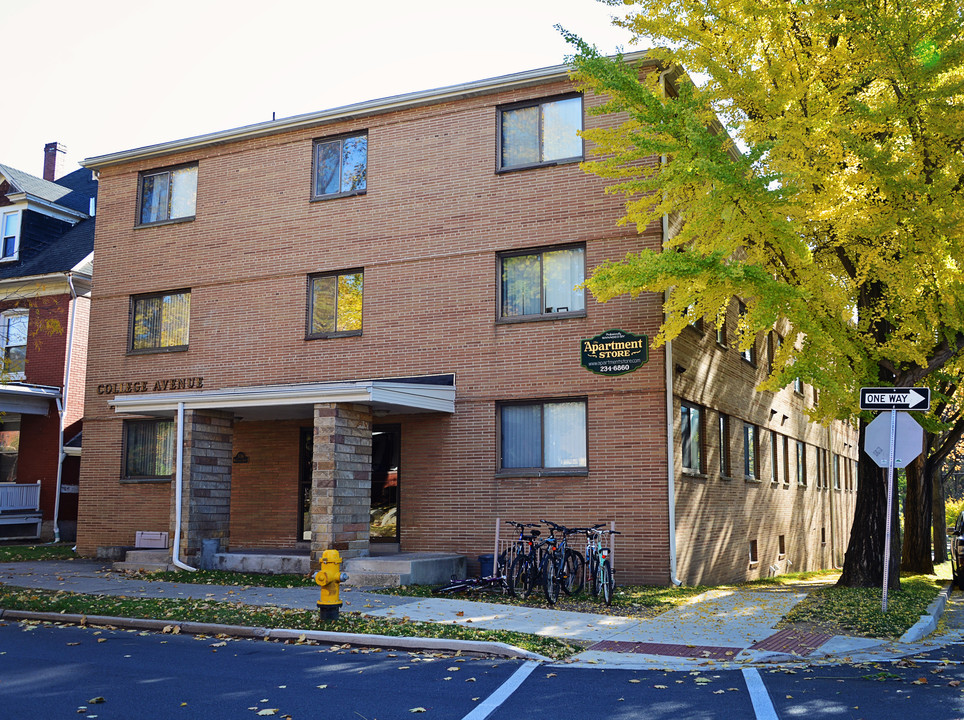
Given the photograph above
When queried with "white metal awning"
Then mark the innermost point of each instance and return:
(27, 399)
(275, 402)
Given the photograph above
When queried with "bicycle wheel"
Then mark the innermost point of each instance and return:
(550, 580)
(572, 580)
(520, 577)
(608, 582)
(502, 566)
(594, 575)
(453, 587)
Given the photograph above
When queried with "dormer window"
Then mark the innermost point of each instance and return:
(10, 226)
(167, 195)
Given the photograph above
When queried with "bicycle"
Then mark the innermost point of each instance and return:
(524, 571)
(490, 583)
(519, 546)
(601, 577)
(561, 566)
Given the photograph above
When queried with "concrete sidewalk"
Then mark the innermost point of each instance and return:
(718, 628)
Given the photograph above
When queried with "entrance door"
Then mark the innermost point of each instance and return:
(386, 473)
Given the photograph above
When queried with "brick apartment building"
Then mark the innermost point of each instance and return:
(359, 327)
(47, 229)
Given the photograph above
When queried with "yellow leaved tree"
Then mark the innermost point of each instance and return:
(816, 172)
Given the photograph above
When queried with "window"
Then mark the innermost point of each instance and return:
(335, 304)
(692, 438)
(10, 227)
(749, 353)
(340, 166)
(167, 195)
(786, 460)
(542, 283)
(801, 463)
(9, 446)
(798, 386)
(724, 445)
(544, 435)
(750, 451)
(782, 545)
(836, 471)
(754, 555)
(776, 341)
(541, 133)
(160, 321)
(721, 330)
(774, 459)
(13, 328)
(148, 449)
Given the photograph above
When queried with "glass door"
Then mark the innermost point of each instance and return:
(386, 474)
(306, 449)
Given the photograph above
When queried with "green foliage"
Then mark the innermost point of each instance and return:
(953, 507)
(842, 217)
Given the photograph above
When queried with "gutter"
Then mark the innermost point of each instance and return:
(178, 491)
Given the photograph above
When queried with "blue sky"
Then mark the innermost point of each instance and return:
(108, 75)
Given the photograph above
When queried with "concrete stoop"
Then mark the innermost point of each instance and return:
(262, 562)
(145, 561)
(414, 568)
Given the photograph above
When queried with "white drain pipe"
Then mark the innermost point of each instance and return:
(178, 490)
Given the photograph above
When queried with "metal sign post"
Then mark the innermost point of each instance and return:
(912, 443)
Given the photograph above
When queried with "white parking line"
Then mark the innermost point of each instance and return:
(762, 706)
(491, 703)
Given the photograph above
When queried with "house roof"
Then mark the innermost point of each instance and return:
(72, 191)
(68, 253)
(368, 108)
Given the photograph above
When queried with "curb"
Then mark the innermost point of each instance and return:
(928, 621)
(481, 647)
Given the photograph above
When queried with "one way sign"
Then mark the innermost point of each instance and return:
(895, 398)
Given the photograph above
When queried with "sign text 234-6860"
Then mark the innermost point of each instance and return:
(614, 352)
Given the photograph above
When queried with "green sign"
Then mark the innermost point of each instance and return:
(614, 352)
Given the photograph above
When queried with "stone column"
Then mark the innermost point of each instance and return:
(341, 480)
(206, 491)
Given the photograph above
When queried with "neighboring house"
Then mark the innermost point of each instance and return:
(45, 268)
(362, 327)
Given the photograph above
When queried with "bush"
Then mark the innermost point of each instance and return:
(952, 508)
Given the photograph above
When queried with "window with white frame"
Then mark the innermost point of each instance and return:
(538, 436)
(13, 335)
(540, 283)
(168, 194)
(10, 239)
(160, 322)
(540, 133)
(148, 449)
(340, 166)
(691, 436)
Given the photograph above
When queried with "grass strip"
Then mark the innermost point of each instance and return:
(227, 613)
(26, 553)
(857, 611)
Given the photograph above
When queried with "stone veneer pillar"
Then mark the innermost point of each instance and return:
(206, 475)
(341, 480)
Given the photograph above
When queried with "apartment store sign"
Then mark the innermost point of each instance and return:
(614, 352)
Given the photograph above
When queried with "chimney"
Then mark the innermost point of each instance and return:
(50, 159)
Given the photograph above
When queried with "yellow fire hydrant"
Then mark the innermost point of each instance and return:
(329, 578)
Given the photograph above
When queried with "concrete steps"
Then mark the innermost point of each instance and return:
(145, 561)
(266, 563)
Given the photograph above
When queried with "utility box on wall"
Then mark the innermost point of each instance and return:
(145, 539)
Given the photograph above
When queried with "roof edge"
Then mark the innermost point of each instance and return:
(363, 109)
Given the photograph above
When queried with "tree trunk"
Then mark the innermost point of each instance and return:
(938, 513)
(916, 556)
(864, 560)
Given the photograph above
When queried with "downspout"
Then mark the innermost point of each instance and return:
(178, 482)
(670, 415)
(62, 405)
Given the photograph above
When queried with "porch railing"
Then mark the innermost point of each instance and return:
(19, 498)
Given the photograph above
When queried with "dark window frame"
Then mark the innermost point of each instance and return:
(801, 463)
(542, 470)
(686, 437)
(126, 476)
(169, 170)
(501, 318)
(749, 354)
(539, 102)
(314, 166)
(724, 432)
(131, 350)
(309, 308)
(751, 462)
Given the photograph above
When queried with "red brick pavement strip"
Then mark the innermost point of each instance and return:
(708, 652)
(792, 641)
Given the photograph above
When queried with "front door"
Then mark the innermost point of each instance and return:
(386, 474)
(306, 449)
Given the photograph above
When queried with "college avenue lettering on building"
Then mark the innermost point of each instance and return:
(614, 352)
(137, 386)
